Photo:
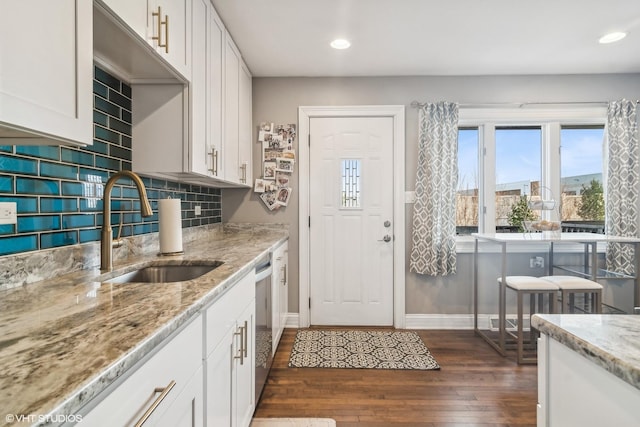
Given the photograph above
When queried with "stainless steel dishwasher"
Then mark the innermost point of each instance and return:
(263, 351)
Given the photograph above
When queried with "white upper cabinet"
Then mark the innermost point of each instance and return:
(199, 89)
(245, 132)
(46, 72)
(168, 31)
(231, 111)
(163, 24)
(237, 116)
(216, 84)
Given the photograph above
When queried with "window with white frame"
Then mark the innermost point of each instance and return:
(507, 156)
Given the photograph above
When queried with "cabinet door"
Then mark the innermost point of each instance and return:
(244, 370)
(131, 12)
(168, 32)
(199, 89)
(46, 75)
(177, 361)
(231, 106)
(186, 410)
(245, 131)
(216, 100)
(279, 285)
(218, 382)
(283, 287)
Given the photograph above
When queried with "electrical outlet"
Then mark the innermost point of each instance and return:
(8, 213)
(198, 210)
(536, 262)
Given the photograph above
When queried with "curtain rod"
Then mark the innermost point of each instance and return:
(416, 104)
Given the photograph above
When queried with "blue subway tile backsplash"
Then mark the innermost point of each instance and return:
(59, 190)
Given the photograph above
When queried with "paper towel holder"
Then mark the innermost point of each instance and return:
(178, 233)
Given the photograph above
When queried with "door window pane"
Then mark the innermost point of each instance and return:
(468, 184)
(351, 183)
(581, 181)
(518, 172)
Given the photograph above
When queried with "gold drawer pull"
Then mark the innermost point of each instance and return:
(163, 393)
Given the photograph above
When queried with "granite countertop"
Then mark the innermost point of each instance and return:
(610, 341)
(64, 340)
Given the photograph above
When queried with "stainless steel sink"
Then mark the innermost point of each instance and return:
(165, 273)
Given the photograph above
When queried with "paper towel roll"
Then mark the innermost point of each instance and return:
(170, 218)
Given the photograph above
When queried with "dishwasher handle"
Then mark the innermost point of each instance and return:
(263, 272)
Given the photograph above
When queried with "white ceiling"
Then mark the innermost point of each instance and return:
(433, 37)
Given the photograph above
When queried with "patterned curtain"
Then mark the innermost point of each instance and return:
(434, 212)
(623, 182)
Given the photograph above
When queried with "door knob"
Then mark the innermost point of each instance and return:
(386, 238)
(387, 224)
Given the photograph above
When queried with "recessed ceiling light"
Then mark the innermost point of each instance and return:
(612, 37)
(340, 44)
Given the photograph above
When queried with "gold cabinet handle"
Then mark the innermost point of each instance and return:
(160, 23)
(163, 393)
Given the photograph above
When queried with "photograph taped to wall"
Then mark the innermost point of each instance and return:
(271, 154)
(269, 199)
(266, 127)
(259, 186)
(282, 179)
(269, 170)
(283, 195)
(288, 154)
(288, 134)
(264, 136)
(276, 141)
(284, 165)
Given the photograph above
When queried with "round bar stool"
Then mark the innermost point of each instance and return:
(572, 285)
(533, 286)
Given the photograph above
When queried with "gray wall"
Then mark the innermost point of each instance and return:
(277, 100)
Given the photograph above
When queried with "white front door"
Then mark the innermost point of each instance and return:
(351, 221)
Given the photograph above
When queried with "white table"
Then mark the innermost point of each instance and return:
(590, 269)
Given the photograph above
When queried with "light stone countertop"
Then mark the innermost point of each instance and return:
(611, 341)
(64, 340)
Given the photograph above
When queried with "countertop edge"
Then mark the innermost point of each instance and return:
(81, 399)
(621, 368)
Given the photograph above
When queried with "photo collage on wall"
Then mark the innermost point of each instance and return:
(278, 160)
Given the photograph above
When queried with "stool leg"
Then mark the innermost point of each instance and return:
(520, 343)
(598, 301)
(552, 302)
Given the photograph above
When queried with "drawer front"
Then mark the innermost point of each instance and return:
(177, 361)
(222, 314)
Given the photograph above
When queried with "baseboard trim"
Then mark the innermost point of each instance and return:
(422, 321)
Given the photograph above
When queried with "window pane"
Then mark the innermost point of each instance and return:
(351, 183)
(518, 172)
(467, 195)
(581, 179)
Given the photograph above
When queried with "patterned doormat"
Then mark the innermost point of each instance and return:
(314, 348)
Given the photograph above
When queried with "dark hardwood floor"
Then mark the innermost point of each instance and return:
(474, 387)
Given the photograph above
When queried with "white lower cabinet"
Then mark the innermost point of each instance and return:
(172, 377)
(574, 391)
(229, 359)
(203, 376)
(279, 293)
